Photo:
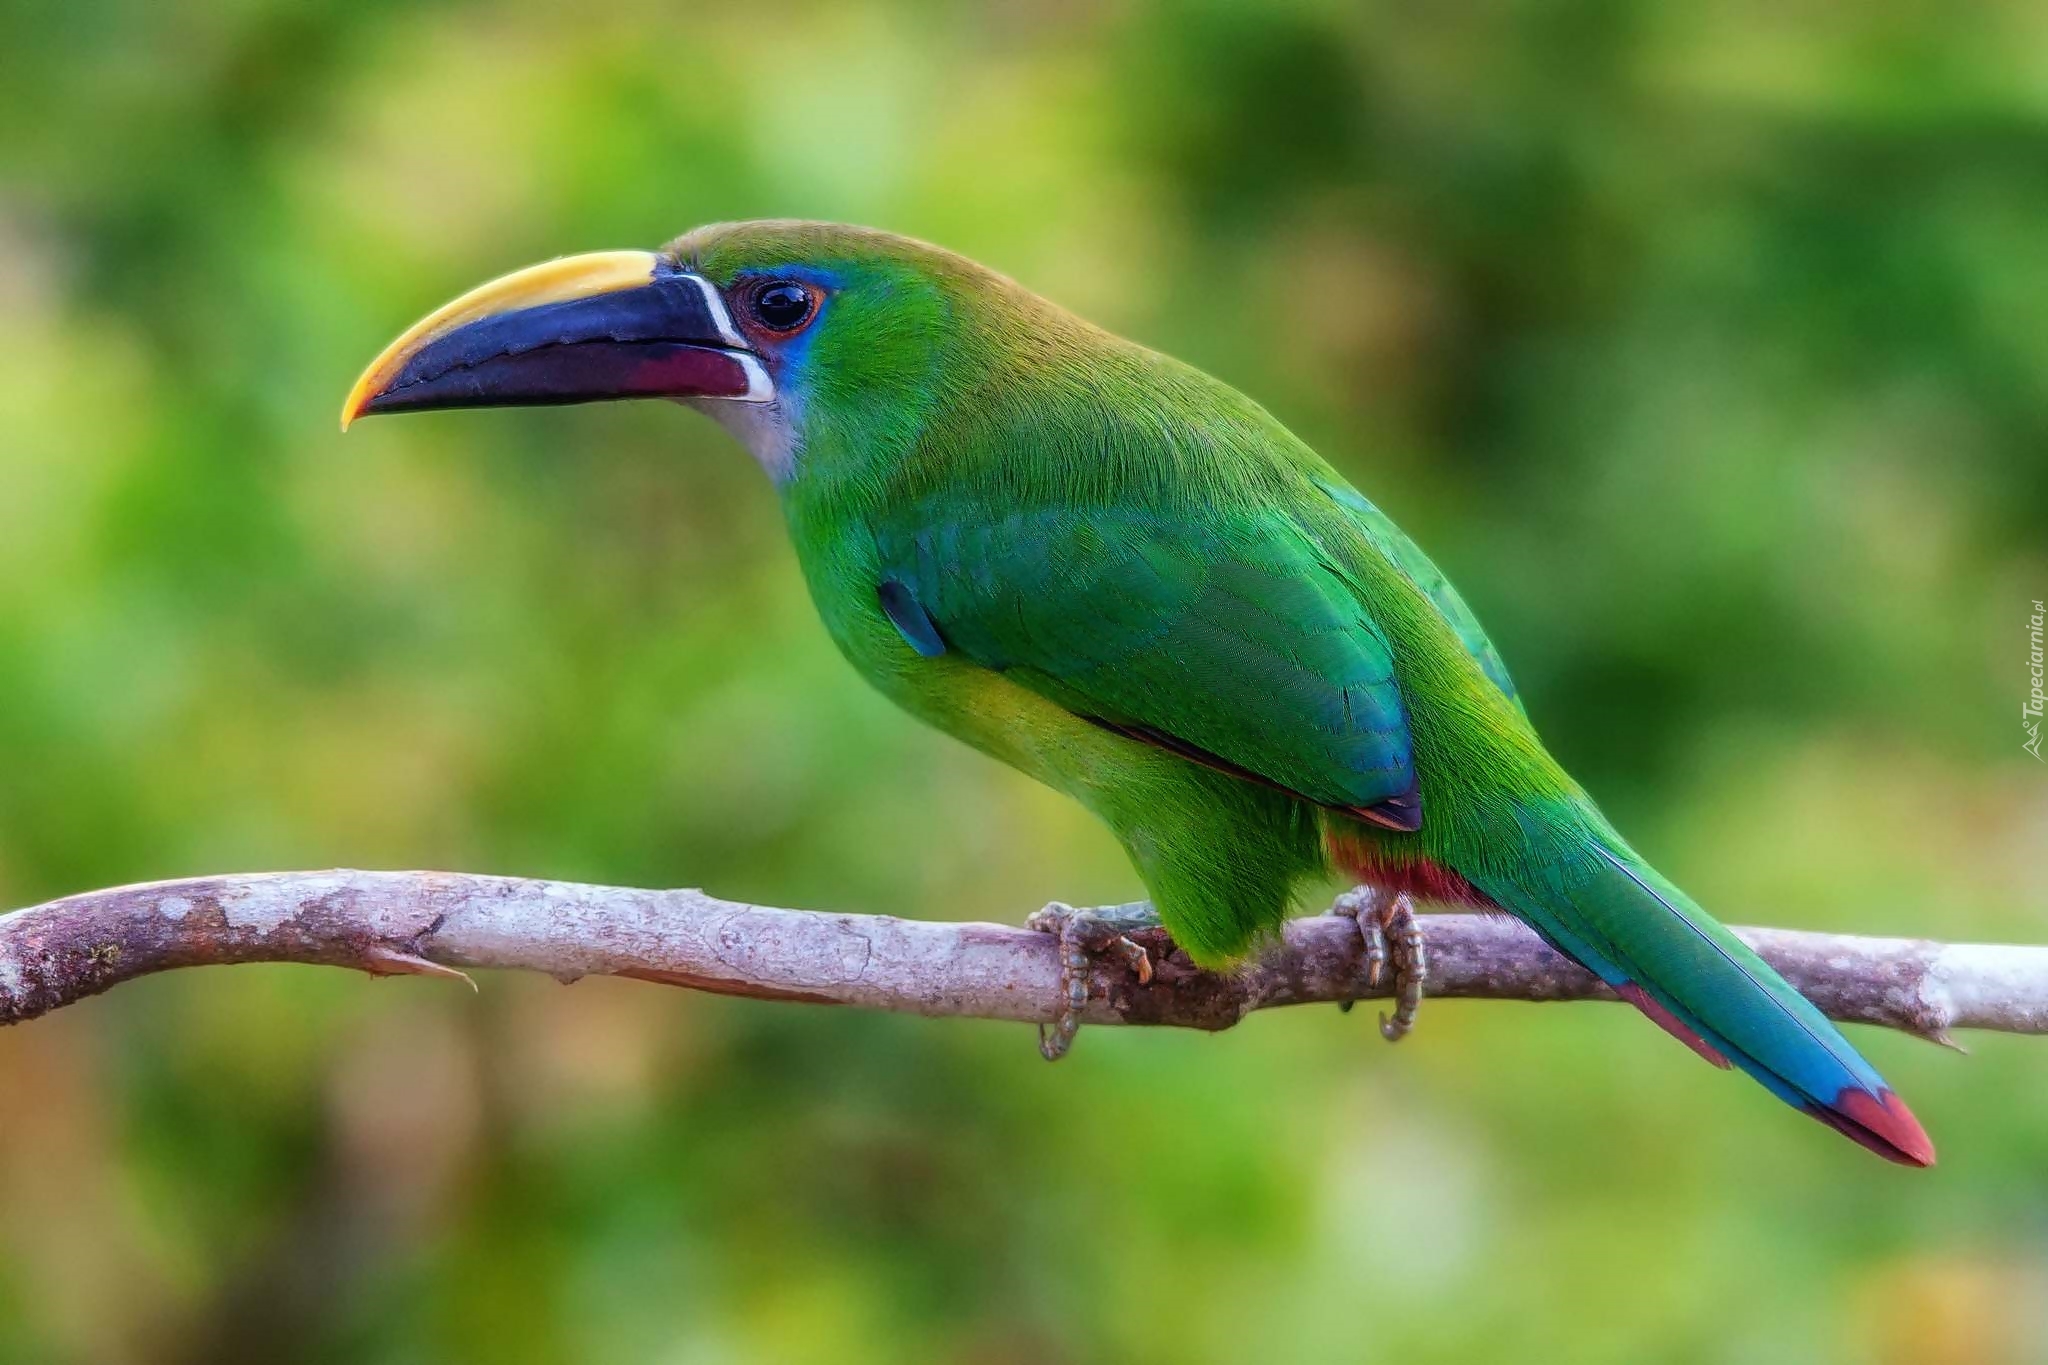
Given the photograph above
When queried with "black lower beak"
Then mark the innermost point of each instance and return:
(585, 329)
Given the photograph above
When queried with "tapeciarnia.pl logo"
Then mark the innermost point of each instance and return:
(2030, 713)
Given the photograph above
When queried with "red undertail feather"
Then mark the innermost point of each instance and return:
(1883, 1124)
(1666, 1020)
(1419, 878)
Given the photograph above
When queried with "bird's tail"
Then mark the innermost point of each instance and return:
(1585, 891)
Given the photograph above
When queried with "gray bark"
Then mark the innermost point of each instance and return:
(441, 923)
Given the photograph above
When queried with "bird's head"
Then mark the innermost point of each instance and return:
(783, 331)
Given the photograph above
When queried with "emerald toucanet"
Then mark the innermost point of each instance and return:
(1128, 580)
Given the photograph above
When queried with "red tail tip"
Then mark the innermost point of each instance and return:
(1881, 1122)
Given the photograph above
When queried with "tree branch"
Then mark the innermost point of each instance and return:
(438, 923)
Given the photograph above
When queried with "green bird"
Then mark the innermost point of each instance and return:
(1128, 580)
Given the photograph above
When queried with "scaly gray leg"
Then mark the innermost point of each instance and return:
(1085, 935)
(1392, 935)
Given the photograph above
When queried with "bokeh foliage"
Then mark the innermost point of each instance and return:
(1706, 347)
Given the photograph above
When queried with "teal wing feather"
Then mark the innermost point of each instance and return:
(1233, 642)
(1390, 541)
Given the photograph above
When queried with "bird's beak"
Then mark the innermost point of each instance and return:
(612, 324)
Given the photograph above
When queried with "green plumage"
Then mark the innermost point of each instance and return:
(1122, 538)
(1128, 580)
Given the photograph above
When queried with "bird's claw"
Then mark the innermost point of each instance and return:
(1393, 939)
(1085, 935)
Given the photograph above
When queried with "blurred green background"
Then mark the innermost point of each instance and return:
(1705, 346)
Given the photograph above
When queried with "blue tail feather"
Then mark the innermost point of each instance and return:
(1594, 900)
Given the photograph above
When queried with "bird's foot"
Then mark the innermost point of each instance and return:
(1085, 935)
(1393, 940)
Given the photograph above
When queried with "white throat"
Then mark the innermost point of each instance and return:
(767, 430)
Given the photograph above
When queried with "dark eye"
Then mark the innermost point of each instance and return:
(782, 305)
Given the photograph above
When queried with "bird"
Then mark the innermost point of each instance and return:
(1128, 580)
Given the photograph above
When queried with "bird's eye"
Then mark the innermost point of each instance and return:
(782, 305)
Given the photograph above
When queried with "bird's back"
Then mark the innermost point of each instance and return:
(1082, 482)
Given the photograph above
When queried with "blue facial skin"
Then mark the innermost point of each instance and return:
(786, 355)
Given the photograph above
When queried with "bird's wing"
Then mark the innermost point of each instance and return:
(1234, 643)
(1409, 558)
